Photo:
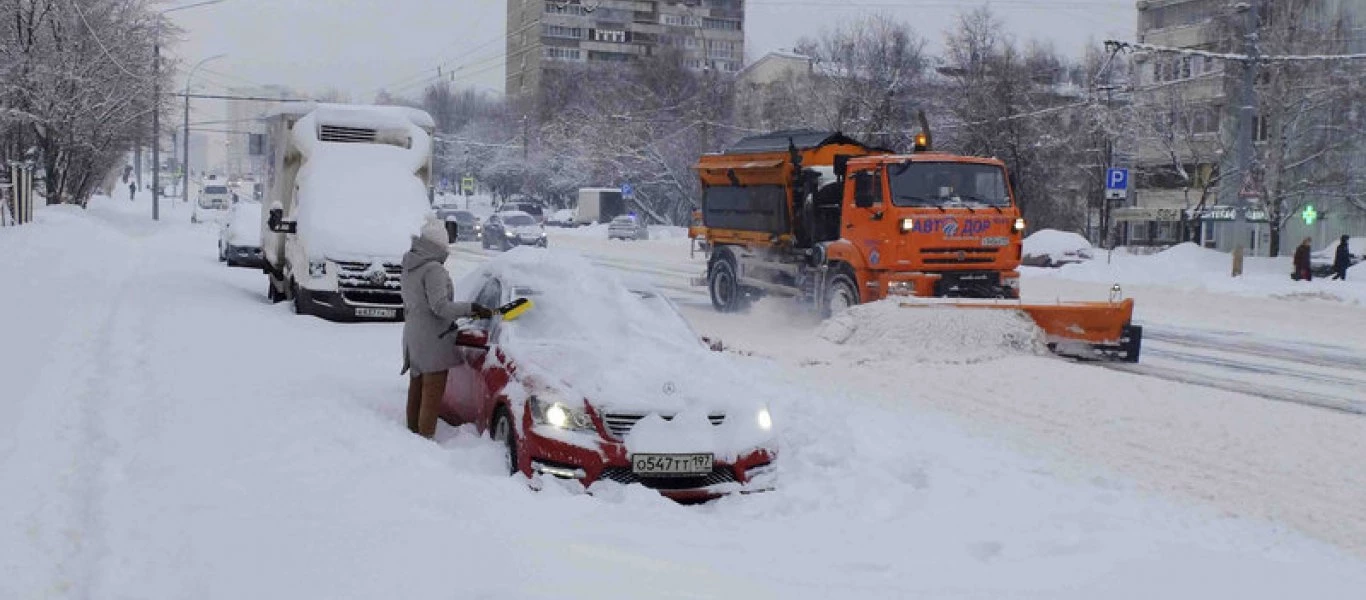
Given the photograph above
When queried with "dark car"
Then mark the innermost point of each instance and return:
(506, 229)
(461, 224)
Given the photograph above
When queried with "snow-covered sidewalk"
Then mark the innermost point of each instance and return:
(166, 433)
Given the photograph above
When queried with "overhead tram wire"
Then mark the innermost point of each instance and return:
(425, 74)
(99, 42)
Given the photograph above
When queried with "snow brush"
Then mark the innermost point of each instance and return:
(508, 312)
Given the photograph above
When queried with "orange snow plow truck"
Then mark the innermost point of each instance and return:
(833, 223)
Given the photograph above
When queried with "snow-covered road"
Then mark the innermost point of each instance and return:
(166, 433)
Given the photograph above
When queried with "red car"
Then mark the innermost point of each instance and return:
(603, 381)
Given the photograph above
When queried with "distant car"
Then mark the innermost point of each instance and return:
(529, 208)
(510, 228)
(597, 382)
(212, 205)
(239, 240)
(461, 225)
(628, 227)
(561, 218)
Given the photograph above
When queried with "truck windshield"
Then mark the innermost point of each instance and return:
(947, 184)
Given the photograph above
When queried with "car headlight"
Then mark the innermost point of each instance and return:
(317, 268)
(509, 233)
(1019, 225)
(478, 227)
(558, 415)
(765, 420)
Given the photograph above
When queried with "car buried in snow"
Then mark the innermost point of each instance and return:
(598, 382)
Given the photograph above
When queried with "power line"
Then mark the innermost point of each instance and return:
(228, 97)
(100, 43)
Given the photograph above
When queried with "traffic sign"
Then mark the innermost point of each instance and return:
(467, 185)
(627, 192)
(1116, 184)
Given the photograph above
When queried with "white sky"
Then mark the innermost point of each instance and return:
(359, 46)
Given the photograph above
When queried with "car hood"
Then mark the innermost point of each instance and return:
(675, 389)
(526, 230)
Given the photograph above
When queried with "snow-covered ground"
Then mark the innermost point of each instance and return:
(167, 433)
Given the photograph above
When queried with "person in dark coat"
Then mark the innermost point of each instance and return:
(428, 311)
(1303, 272)
(1342, 259)
(132, 189)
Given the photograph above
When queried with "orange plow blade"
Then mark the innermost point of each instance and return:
(1097, 330)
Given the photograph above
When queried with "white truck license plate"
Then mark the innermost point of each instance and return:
(382, 313)
(991, 242)
(671, 465)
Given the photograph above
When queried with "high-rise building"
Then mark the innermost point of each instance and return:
(548, 34)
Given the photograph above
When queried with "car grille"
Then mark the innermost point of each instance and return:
(719, 474)
(355, 286)
(957, 256)
(620, 424)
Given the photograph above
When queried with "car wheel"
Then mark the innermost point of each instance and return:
(271, 293)
(840, 295)
(503, 433)
(726, 293)
(222, 256)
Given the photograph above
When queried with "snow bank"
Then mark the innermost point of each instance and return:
(244, 228)
(885, 331)
(1048, 247)
(1190, 267)
(624, 349)
(360, 201)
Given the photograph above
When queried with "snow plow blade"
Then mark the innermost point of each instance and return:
(1087, 330)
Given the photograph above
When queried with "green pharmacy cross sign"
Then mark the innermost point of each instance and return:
(1309, 214)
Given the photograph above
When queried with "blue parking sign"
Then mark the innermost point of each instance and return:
(1117, 179)
(627, 191)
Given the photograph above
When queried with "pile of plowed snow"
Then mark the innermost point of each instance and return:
(885, 331)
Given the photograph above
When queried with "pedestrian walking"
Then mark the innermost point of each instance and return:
(1303, 272)
(132, 189)
(1342, 259)
(429, 310)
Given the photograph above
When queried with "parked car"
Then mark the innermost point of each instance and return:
(239, 240)
(529, 208)
(561, 218)
(510, 228)
(601, 381)
(461, 225)
(212, 205)
(628, 227)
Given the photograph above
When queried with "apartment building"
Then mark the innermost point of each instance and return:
(1189, 103)
(244, 119)
(549, 34)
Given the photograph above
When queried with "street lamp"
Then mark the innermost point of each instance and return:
(185, 156)
(156, 104)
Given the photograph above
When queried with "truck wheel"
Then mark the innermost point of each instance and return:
(294, 295)
(726, 293)
(271, 293)
(840, 296)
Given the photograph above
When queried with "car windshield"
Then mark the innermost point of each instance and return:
(215, 189)
(517, 220)
(531, 209)
(623, 221)
(947, 184)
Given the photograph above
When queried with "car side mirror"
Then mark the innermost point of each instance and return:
(867, 192)
(278, 224)
(472, 338)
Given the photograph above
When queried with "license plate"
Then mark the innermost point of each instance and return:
(995, 241)
(380, 313)
(671, 465)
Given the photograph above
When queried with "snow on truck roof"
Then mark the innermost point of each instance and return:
(339, 114)
(803, 139)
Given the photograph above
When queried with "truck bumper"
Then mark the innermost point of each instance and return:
(332, 306)
(949, 284)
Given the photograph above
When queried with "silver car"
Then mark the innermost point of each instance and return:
(628, 227)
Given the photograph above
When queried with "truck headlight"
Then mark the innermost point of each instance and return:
(765, 420)
(558, 415)
(317, 268)
(1019, 225)
(907, 224)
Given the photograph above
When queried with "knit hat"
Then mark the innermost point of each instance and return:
(434, 231)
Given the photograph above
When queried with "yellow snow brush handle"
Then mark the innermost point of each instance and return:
(514, 309)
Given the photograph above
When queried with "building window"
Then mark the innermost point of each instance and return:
(608, 57)
(680, 20)
(607, 35)
(721, 24)
(560, 31)
(558, 53)
(1261, 129)
(565, 9)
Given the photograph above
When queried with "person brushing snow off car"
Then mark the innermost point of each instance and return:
(428, 312)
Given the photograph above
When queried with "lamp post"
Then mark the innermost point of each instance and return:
(156, 105)
(185, 155)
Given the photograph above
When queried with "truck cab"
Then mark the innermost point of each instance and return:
(931, 224)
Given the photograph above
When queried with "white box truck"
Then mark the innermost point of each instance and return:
(598, 205)
(346, 188)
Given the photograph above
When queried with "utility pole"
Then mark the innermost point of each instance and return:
(1247, 113)
(185, 182)
(156, 122)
